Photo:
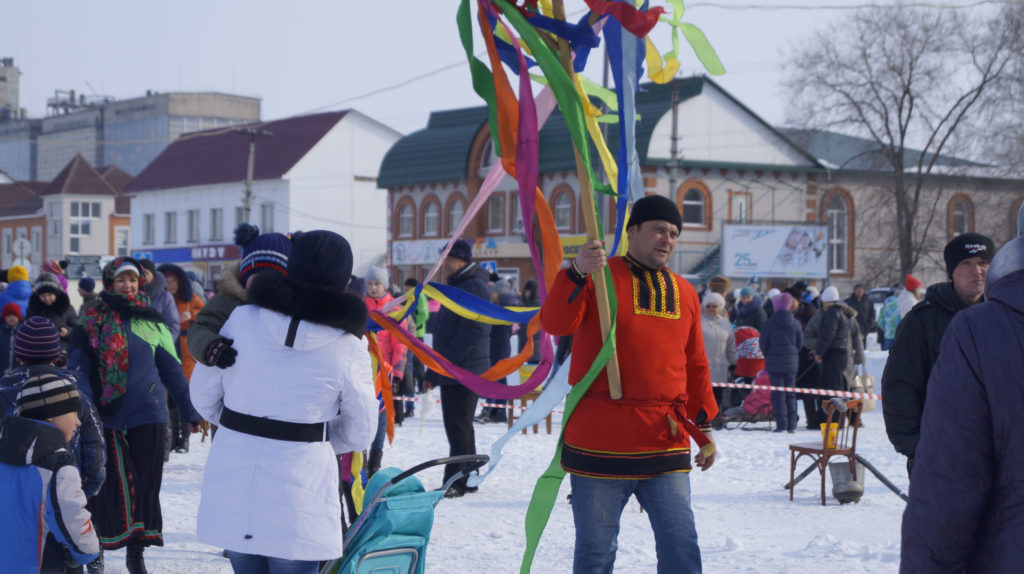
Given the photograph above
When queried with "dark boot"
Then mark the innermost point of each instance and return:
(96, 566)
(134, 562)
(498, 415)
(373, 464)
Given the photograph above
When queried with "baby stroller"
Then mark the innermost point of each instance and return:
(393, 530)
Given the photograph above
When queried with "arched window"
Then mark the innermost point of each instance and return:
(960, 215)
(693, 198)
(406, 217)
(456, 208)
(431, 216)
(837, 214)
(563, 211)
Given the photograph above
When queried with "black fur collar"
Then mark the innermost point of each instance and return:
(308, 302)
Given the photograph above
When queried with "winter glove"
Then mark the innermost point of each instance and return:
(220, 353)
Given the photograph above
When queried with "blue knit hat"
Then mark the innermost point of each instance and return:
(87, 284)
(261, 251)
(37, 340)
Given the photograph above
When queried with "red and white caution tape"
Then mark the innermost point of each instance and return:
(824, 392)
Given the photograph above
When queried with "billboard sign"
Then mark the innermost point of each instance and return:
(775, 251)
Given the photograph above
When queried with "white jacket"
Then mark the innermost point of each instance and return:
(271, 497)
(907, 299)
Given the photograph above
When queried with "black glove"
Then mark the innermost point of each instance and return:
(220, 353)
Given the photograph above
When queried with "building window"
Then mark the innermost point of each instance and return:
(739, 206)
(405, 220)
(563, 211)
(267, 218)
(239, 216)
(216, 224)
(960, 215)
(148, 229)
(82, 215)
(8, 240)
(496, 214)
(455, 211)
(37, 240)
(121, 241)
(516, 211)
(431, 215)
(837, 214)
(487, 156)
(694, 201)
(193, 226)
(170, 227)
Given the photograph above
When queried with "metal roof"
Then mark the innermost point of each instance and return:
(841, 151)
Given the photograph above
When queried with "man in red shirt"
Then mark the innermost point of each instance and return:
(639, 444)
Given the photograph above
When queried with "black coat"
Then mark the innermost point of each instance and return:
(833, 331)
(781, 339)
(464, 342)
(865, 312)
(501, 335)
(965, 498)
(914, 351)
(61, 313)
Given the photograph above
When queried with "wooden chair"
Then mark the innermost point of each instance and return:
(820, 452)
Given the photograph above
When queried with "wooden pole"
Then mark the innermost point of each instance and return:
(590, 221)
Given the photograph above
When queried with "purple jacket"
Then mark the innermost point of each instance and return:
(965, 495)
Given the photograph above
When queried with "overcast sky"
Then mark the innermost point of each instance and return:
(307, 55)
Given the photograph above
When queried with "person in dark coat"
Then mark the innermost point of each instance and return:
(965, 495)
(780, 341)
(749, 310)
(831, 350)
(159, 297)
(465, 343)
(530, 298)
(501, 348)
(865, 309)
(916, 346)
(49, 301)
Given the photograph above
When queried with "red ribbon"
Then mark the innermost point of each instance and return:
(638, 22)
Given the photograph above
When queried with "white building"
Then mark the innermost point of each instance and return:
(309, 172)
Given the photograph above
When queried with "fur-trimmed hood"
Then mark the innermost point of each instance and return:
(59, 307)
(184, 282)
(230, 283)
(309, 302)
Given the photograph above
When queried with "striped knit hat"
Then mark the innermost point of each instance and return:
(47, 395)
(37, 341)
(261, 251)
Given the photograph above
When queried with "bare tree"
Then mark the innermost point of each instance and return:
(906, 79)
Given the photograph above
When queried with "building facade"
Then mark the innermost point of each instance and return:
(309, 172)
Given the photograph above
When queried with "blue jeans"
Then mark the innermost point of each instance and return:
(784, 403)
(255, 564)
(597, 507)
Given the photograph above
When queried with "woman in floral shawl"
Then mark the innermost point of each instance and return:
(127, 364)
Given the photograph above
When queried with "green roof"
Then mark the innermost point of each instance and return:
(440, 152)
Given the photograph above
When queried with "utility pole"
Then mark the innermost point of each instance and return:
(253, 133)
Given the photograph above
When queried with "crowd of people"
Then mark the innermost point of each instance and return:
(277, 365)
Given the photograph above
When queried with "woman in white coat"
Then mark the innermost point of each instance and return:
(719, 345)
(299, 392)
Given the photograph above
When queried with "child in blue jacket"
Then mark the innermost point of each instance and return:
(46, 525)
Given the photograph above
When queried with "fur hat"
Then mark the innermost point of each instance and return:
(830, 294)
(17, 273)
(719, 284)
(322, 258)
(655, 208)
(912, 283)
(965, 246)
(47, 395)
(37, 341)
(461, 250)
(715, 298)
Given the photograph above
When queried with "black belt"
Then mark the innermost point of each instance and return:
(270, 428)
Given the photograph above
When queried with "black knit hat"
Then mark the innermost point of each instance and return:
(321, 258)
(965, 246)
(655, 208)
(47, 395)
(37, 341)
(461, 250)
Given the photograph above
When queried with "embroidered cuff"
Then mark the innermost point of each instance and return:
(574, 274)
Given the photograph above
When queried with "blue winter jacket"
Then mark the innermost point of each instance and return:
(780, 341)
(41, 495)
(464, 342)
(88, 446)
(965, 493)
(17, 292)
(153, 366)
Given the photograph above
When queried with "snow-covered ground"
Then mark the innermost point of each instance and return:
(745, 520)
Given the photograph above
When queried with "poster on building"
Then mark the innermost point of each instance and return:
(775, 251)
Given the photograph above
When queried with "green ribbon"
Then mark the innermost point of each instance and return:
(546, 491)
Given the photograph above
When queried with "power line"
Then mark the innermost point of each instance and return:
(818, 7)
